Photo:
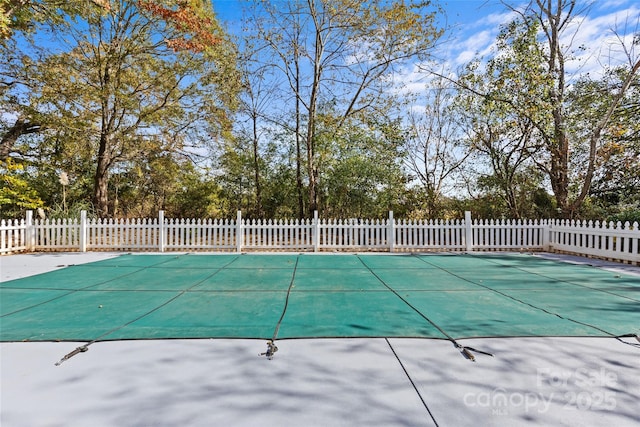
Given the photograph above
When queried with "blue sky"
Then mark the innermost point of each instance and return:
(462, 10)
(474, 24)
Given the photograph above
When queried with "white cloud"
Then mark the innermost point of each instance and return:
(497, 19)
(477, 44)
(408, 80)
(597, 42)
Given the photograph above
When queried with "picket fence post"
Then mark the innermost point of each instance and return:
(546, 235)
(239, 233)
(391, 232)
(29, 232)
(468, 231)
(83, 231)
(315, 236)
(161, 231)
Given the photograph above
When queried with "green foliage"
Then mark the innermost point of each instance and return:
(359, 172)
(164, 182)
(58, 211)
(543, 205)
(16, 195)
(21, 15)
(280, 192)
(360, 175)
(630, 215)
(238, 188)
(195, 197)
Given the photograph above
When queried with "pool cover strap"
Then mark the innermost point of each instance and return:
(466, 350)
(271, 346)
(636, 336)
(81, 349)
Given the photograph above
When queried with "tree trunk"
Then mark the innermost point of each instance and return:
(312, 171)
(311, 125)
(256, 168)
(101, 180)
(559, 173)
(298, 144)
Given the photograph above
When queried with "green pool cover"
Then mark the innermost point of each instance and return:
(318, 295)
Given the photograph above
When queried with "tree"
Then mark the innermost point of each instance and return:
(276, 164)
(503, 143)
(528, 75)
(554, 20)
(255, 118)
(436, 149)
(341, 53)
(121, 91)
(235, 162)
(10, 136)
(190, 17)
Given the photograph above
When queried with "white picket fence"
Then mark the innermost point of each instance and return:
(606, 240)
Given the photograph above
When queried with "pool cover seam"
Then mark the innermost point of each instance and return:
(182, 292)
(524, 302)
(566, 281)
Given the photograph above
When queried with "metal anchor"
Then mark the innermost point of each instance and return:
(271, 349)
